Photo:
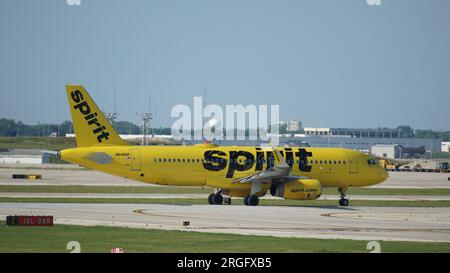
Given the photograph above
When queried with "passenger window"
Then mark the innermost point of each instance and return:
(188, 161)
(159, 159)
(165, 160)
(335, 162)
(343, 162)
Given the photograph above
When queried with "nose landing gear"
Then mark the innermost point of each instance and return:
(343, 201)
(218, 199)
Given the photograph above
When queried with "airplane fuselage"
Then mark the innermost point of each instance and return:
(219, 166)
(290, 172)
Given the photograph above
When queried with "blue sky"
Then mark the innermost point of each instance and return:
(328, 63)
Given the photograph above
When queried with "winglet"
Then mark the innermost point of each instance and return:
(279, 159)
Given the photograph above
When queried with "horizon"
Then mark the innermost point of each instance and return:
(283, 121)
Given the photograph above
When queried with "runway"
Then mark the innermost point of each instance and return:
(360, 223)
(205, 196)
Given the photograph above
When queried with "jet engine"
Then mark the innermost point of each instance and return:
(301, 189)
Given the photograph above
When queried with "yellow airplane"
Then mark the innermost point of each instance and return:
(290, 172)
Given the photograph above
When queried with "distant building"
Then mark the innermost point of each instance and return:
(386, 151)
(359, 133)
(361, 144)
(293, 126)
(445, 146)
(22, 156)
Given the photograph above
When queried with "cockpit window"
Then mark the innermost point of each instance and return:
(372, 162)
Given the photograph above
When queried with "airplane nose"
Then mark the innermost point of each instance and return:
(382, 174)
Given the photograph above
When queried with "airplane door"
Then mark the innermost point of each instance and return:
(135, 160)
(353, 165)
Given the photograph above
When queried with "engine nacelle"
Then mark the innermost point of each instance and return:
(301, 189)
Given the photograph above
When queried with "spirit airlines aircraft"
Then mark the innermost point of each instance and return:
(249, 172)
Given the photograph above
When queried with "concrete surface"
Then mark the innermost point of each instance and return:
(69, 176)
(205, 196)
(360, 223)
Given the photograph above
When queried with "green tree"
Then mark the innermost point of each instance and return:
(406, 131)
(125, 127)
(8, 127)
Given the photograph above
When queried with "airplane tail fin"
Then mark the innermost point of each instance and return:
(90, 125)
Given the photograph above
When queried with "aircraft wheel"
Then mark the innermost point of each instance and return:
(246, 200)
(217, 199)
(253, 200)
(227, 200)
(343, 202)
(210, 199)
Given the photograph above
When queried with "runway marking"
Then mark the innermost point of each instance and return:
(294, 228)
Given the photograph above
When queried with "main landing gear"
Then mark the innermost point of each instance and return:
(343, 201)
(251, 200)
(218, 199)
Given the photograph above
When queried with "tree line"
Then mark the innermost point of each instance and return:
(11, 128)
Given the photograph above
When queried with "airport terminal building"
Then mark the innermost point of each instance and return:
(362, 144)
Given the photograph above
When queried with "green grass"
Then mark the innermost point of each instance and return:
(197, 201)
(56, 143)
(44, 143)
(206, 190)
(102, 239)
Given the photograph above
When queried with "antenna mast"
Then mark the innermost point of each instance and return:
(111, 116)
(145, 125)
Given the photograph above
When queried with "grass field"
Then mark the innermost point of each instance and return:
(58, 143)
(44, 143)
(102, 239)
(196, 201)
(205, 190)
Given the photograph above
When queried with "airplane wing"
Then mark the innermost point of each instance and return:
(280, 171)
